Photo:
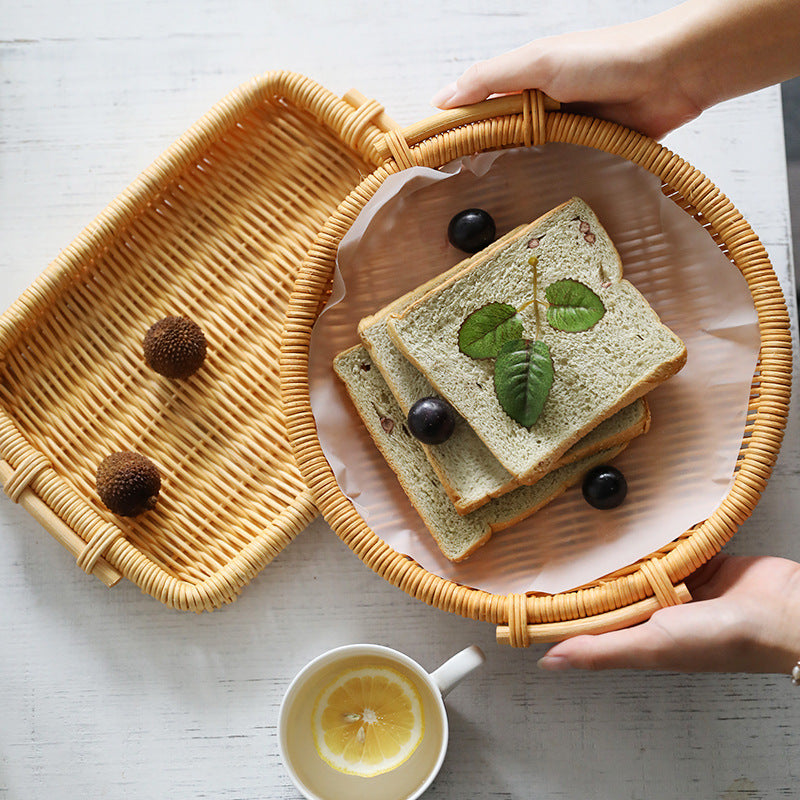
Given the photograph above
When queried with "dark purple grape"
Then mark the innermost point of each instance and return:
(431, 420)
(604, 487)
(471, 230)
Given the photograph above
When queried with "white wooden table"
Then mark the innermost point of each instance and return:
(109, 694)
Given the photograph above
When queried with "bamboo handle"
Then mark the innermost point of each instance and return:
(464, 115)
(600, 623)
(356, 99)
(53, 524)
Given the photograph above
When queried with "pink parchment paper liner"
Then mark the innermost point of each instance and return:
(677, 474)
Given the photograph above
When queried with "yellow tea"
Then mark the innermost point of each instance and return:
(341, 689)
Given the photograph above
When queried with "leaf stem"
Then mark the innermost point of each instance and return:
(531, 302)
(534, 261)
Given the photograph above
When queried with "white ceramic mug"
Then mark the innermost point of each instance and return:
(315, 778)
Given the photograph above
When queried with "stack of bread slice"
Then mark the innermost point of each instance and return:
(494, 471)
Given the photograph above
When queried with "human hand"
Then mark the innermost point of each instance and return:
(612, 73)
(653, 74)
(745, 617)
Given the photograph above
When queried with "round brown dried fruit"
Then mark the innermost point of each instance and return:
(128, 483)
(175, 347)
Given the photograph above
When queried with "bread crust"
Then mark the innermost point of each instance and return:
(445, 526)
(443, 367)
(372, 331)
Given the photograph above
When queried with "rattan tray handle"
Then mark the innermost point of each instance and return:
(370, 109)
(599, 623)
(531, 104)
(17, 484)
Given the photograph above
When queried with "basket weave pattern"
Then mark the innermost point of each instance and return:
(215, 230)
(631, 594)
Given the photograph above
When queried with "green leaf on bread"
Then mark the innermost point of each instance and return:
(523, 372)
(484, 332)
(574, 307)
(523, 375)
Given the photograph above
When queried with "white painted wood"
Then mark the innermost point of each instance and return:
(107, 693)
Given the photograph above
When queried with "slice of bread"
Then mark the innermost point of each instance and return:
(620, 358)
(456, 536)
(470, 474)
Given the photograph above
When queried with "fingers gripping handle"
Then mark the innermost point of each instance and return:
(599, 623)
(530, 105)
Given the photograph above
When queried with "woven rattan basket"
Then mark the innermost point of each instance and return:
(217, 228)
(631, 594)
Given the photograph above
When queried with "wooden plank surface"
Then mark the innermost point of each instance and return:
(105, 693)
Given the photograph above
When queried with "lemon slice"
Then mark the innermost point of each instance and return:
(368, 721)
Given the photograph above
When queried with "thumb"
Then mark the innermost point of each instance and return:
(509, 72)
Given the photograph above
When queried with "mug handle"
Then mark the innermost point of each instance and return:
(455, 669)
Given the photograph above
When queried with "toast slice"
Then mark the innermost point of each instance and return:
(622, 356)
(456, 536)
(469, 473)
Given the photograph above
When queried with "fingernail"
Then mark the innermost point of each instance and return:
(553, 663)
(444, 95)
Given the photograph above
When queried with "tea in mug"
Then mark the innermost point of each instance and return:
(364, 727)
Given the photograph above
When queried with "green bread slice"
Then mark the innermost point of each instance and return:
(625, 354)
(457, 536)
(468, 471)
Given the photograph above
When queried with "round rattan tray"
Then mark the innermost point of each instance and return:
(629, 595)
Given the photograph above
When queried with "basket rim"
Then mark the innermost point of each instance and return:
(534, 124)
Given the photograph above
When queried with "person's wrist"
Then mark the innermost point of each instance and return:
(673, 56)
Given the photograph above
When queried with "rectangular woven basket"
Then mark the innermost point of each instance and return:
(215, 229)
